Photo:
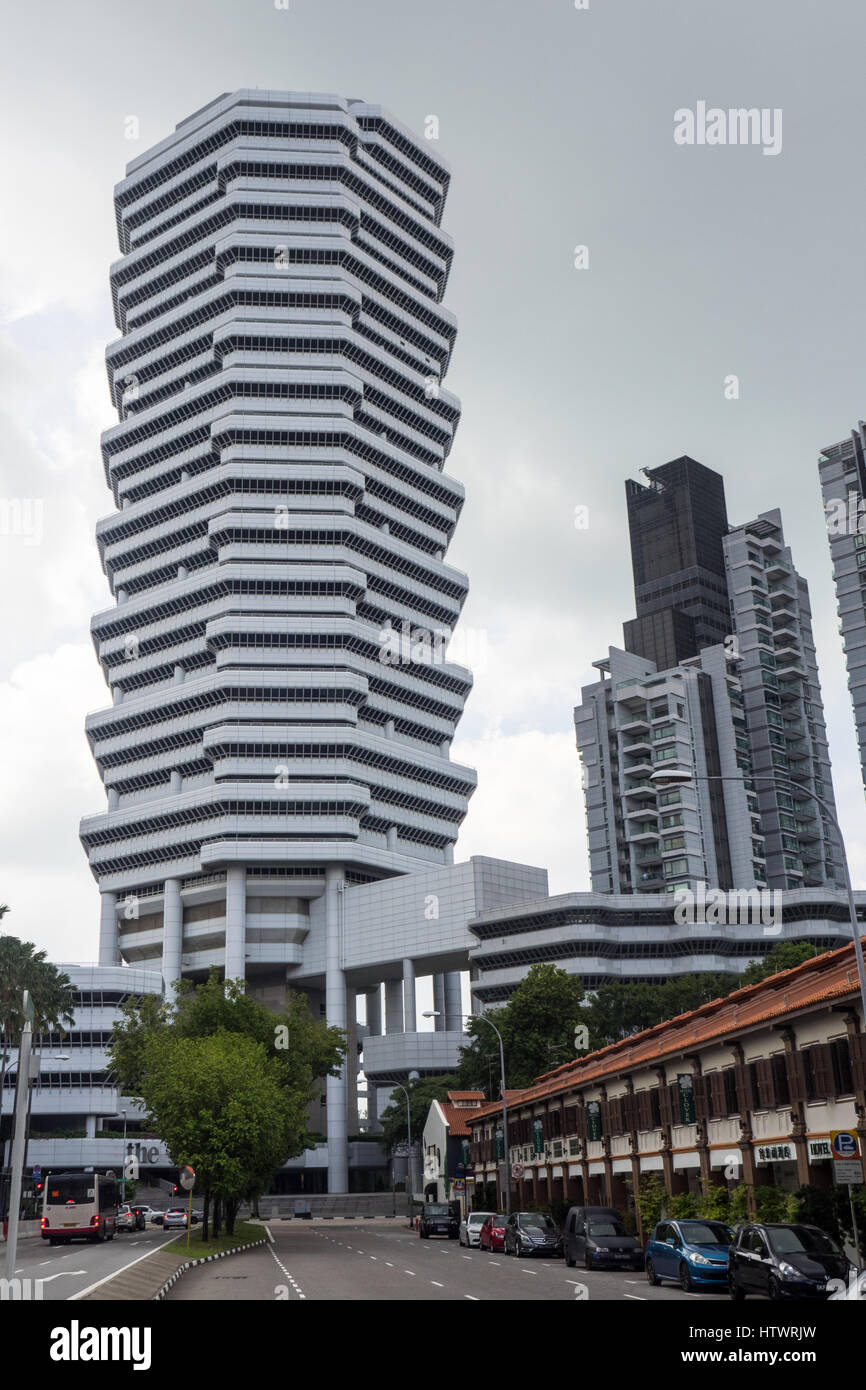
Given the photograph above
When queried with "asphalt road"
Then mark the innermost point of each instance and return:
(383, 1260)
(70, 1270)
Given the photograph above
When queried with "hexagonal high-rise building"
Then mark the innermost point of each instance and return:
(283, 706)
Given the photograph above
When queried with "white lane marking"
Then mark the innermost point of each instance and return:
(75, 1296)
(637, 1298)
(44, 1262)
(270, 1237)
(436, 1282)
(472, 1296)
(466, 1257)
(373, 1257)
(389, 1264)
(533, 1272)
(409, 1271)
(291, 1279)
(60, 1275)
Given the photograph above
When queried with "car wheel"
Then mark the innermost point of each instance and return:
(652, 1277)
(734, 1290)
(686, 1283)
(773, 1289)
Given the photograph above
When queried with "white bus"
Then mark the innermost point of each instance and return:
(79, 1206)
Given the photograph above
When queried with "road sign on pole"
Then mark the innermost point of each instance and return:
(517, 1170)
(847, 1163)
(187, 1182)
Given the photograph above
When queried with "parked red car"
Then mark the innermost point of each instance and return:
(493, 1233)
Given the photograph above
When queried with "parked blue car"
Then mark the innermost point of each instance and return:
(692, 1252)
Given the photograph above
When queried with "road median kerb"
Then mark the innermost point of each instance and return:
(205, 1260)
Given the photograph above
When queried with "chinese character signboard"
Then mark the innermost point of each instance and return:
(537, 1137)
(500, 1144)
(593, 1120)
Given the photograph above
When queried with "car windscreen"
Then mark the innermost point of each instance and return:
(477, 1218)
(606, 1228)
(64, 1190)
(437, 1209)
(703, 1233)
(791, 1240)
(533, 1218)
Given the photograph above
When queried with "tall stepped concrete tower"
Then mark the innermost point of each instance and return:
(280, 723)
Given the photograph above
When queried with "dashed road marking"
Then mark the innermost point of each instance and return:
(436, 1282)
(295, 1285)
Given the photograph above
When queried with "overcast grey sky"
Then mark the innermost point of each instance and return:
(558, 126)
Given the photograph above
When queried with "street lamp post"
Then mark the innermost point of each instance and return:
(410, 1182)
(678, 777)
(434, 1013)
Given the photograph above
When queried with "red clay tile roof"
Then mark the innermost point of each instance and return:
(464, 1095)
(456, 1118)
(829, 976)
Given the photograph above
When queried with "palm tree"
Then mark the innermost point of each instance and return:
(22, 968)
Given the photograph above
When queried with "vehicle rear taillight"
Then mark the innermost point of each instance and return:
(94, 1220)
(45, 1224)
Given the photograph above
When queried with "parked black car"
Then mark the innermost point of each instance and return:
(784, 1261)
(531, 1233)
(597, 1236)
(438, 1219)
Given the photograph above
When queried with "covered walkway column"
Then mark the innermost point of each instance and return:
(453, 1002)
(109, 953)
(172, 935)
(409, 1018)
(236, 922)
(439, 1002)
(335, 1010)
(393, 1006)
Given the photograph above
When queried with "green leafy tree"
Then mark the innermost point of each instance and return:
(300, 1051)
(783, 956)
(537, 1026)
(219, 1103)
(625, 1007)
(422, 1094)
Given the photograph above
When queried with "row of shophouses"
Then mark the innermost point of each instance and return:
(746, 1089)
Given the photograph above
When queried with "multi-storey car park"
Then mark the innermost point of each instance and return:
(272, 755)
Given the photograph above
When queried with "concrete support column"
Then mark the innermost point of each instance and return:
(90, 1126)
(179, 675)
(373, 1125)
(174, 781)
(393, 1006)
(410, 1024)
(453, 1002)
(113, 798)
(374, 1011)
(352, 1124)
(109, 953)
(236, 922)
(439, 1002)
(172, 935)
(391, 837)
(335, 1010)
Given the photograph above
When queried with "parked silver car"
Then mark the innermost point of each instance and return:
(470, 1228)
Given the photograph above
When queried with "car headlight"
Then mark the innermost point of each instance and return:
(699, 1259)
(790, 1272)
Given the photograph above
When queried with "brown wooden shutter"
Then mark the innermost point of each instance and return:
(766, 1087)
(669, 1103)
(581, 1122)
(644, 1117)
(822, 1070)
(718, 1108)
(569, 1119)
(745, 1098)
(857, 1043)
(796, 1073)
(630, 1112)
